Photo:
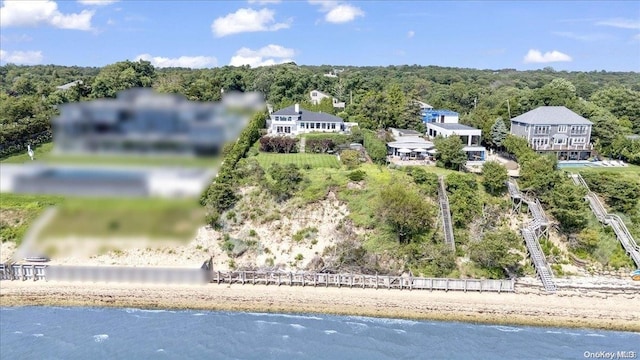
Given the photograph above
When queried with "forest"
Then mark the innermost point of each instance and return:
(376, 97)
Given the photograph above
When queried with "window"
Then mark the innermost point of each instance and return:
(287, 129)
(289, 118)
(579, 140)
(313, 125)
(277, 118)
(317, 125)
(301, 125)
(541, 130)
(578, 130)
(562, 128)
(559, 141)
(314, 94)
(324, 125)
(333, 126)
(538, 142)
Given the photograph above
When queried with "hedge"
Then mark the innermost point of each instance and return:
(376, 148)
(224, 181)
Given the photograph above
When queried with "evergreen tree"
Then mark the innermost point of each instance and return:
(498, 132)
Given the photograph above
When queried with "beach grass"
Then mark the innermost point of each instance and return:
(301, 160)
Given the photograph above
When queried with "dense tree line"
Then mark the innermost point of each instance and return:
(376, 97)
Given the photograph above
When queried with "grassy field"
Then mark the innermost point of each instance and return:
(313, 160)
(633, 170)
(108, 218)
(18, 211)
(44, 153)
(100, 218)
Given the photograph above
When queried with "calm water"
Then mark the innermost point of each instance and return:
(98, 333)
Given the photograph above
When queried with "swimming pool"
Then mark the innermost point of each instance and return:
(577, 164)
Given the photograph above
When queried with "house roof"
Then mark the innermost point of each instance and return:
(406, 132)
(551, 115)
(306, 115)
(68, 86)
(451, 126)
(411, 142)
(321, 92)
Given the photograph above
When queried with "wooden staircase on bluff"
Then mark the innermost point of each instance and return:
(617, 224)
(539, 261)
(445, 212)
(532, 232)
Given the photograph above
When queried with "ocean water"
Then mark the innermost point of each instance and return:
(106, 333)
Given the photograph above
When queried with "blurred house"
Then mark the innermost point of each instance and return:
(141, 121)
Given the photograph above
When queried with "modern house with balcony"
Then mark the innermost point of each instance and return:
(317, 96)
(294, 120)
(555, 129)
(470, 137)
(439, 116)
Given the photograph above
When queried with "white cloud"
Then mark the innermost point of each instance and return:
(97, 2)
(21, 57)
(246, 20)
(337, 12)
(410, 34)
(581, 37)
(620, 23)
(268, 55)
(264, 2)
(535, 56)
(194, 62)
(34, 13)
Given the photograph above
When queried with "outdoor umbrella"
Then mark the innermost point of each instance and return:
(420, 150)
(404, 150)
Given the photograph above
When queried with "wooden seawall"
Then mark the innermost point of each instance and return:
(360, 281)
(117, 274)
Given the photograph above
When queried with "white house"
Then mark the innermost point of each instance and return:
(294, 120)
(471, 138)
(69, 85)
(440, 116)
(317, 96)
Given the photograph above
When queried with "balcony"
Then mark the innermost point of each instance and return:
(562, 147)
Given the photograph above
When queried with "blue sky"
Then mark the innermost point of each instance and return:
(575, 35)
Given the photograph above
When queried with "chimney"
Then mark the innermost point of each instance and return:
(297, 108)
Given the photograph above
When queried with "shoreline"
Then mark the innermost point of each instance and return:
(568, 308)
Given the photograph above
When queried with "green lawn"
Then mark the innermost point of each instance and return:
(631, 169)
(44, 153)
(314, 160)
(18, 211)
(109, 218)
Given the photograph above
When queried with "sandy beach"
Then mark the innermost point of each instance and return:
(614, 309)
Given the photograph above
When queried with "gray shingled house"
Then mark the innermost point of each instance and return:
(555, 129)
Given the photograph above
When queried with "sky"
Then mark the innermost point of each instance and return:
(572, 35)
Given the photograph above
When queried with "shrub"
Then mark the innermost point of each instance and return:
(376, 148)
(278, 144)
(357, 175)
(316, 145)
(350, 158)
